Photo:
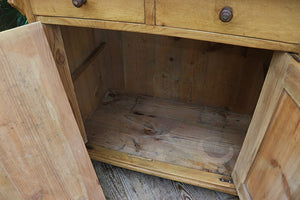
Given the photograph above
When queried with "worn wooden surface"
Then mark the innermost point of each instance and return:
(292, 80)
(104, 71)
(251, 26)
(193, 71)
(176, 32)
(179, 173)
(89, 60)
(283, 76)
(150, 12)
(188, 135)
(185, 70)
(56, 43)
(199, 138)
(116, 10)
(252, 18)
(277, 166)
(79, 43)
(122, 184)
(42, 154)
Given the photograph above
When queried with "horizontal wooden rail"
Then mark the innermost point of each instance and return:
(175, 32)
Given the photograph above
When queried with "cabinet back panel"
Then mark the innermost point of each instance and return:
(186, 70)
(192, 71)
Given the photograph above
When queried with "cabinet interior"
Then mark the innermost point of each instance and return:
(178, 101)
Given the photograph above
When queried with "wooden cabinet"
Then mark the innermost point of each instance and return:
(215, 115)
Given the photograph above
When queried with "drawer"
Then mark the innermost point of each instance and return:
(115, 10)
(273, 20)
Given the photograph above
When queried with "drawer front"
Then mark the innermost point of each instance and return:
(115, 10)
(273, 20)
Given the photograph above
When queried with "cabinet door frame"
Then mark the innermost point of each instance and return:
(283, 76)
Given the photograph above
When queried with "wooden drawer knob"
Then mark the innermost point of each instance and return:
(226, 14)
(78, 3)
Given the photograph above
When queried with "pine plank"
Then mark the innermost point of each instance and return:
(56, 43)
(194, 71)
(162, 169)
(42, 154)
(268, 102)
(183, 134)
(196, 137)
(176, 32)
(277, 170)
(102, 72)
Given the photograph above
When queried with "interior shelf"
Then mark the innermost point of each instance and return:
(185, 138)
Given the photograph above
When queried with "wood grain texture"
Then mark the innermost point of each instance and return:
(185, 70)
(79, 44)
(150, 12)
(89, 60)
(272, 20)
(197, 137)
(116, 10)
(267, 102)
(162, 169)
(56, 43)
(42, 153)
(193, 71)
(272, 90)
(176, 32)
(119, 183)
(292, 80)
(103, 72)
(277, 165)
(182, 139)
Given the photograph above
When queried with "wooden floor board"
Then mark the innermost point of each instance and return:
(202, 138)
(122, 184)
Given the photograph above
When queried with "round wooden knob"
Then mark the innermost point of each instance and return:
(226, 14)
(78, 3)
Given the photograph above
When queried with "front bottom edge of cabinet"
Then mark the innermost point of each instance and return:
(162, 169)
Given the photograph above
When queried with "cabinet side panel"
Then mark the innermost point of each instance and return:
(99, 71)
(56, 43)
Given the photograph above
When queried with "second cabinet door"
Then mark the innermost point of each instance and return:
(268, 166)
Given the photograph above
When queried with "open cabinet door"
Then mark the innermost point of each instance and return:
(268, 166)
(42, 154)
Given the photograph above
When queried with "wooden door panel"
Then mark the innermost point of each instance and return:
(268, 166)
(42, 154)
(276, 170)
